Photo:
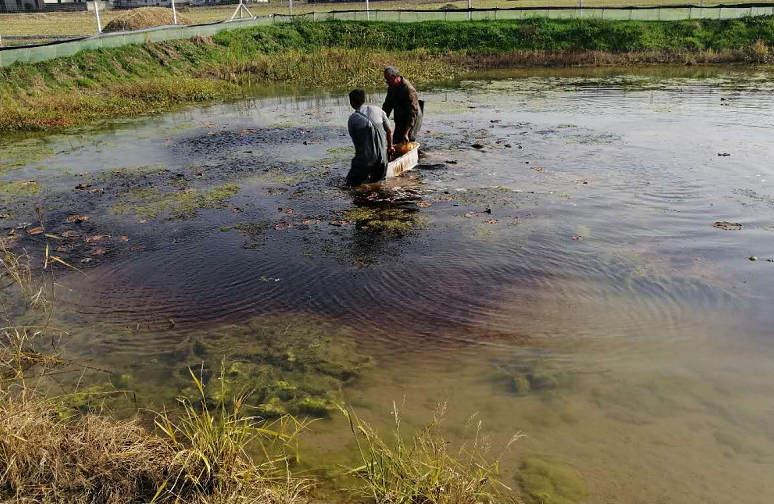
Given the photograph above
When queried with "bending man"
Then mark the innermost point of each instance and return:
(371, 133)
(403, 99)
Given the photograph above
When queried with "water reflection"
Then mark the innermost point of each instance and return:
(563, 278)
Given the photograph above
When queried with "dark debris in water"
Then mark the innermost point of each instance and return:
(209, 144)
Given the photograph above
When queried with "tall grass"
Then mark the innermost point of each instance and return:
(138, 79)
(424, 469)
(223, 452)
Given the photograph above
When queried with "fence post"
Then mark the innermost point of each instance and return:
(470, 10)
(398, 15)
(291, 7)
(1, 39)
(368, 12)
(174, 13)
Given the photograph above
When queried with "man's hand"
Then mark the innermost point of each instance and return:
(405, 138)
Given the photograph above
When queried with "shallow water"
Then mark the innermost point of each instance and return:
(577, 241)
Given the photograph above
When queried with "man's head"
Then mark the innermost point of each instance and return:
(356, 98)
(391, 76)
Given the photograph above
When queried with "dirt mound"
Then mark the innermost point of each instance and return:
(144, 17)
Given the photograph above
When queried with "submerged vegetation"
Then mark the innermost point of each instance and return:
(141, 79)
(63, 448)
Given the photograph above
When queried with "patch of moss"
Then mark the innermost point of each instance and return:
(547, 481)
(148, 203)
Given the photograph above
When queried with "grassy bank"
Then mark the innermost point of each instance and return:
(145, 78)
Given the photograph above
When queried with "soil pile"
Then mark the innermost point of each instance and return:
(144, 17)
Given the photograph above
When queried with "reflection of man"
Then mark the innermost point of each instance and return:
(403, 99)
(371, 133)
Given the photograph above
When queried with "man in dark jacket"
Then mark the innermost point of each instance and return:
(403, 99)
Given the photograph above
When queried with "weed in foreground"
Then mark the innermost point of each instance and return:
(215, 445)
(424, 470)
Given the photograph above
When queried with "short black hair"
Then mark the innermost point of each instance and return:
(357, 96)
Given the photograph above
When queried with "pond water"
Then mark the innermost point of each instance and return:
(564, 279)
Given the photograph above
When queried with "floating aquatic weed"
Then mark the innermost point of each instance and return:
(393, 220)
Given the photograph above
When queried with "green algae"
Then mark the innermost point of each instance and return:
(395, 220)
(545, 480)
(149, 203)
(17, 155)
(19, 189)
(297, 365)
(531, 374)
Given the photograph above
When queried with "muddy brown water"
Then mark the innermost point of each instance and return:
(579, 237)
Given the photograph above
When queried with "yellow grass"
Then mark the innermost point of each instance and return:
(83, 23)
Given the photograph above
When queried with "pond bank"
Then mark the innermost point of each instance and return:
(148, 78)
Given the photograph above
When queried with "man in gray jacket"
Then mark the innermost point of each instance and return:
(371, 134)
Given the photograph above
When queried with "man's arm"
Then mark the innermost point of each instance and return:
(388, 105)
(388, 129)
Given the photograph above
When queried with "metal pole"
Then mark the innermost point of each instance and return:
(470, 11)
(1, 39)
(174, 13)
(291, 7)
(96, 13)
(368, 12)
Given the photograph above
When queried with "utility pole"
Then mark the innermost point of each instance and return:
(174, 13)
(96, 14)
(368, 12)
(291, 7)
(470, 10)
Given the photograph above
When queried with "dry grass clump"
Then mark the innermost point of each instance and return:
(51, 453)
(87, 459)
(425, 470)
(144, 17)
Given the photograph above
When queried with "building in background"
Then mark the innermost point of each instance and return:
(21, 5)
